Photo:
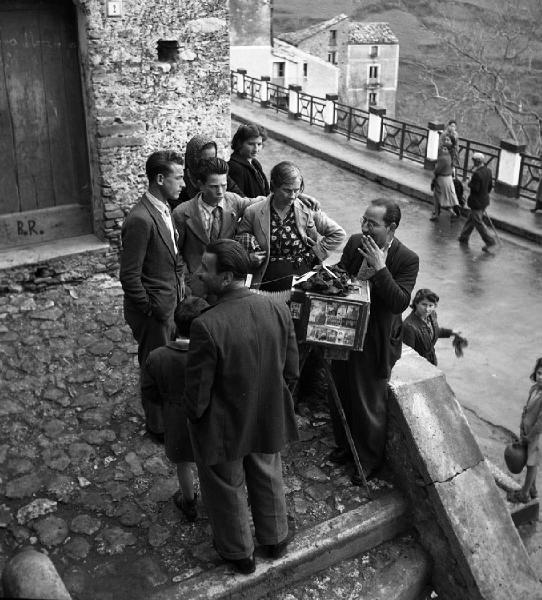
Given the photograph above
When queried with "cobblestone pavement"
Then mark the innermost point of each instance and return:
(81, 480)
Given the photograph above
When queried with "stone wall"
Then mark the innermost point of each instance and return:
(136, 104)
(318, 44)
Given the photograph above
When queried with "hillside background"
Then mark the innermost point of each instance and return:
(511, 44)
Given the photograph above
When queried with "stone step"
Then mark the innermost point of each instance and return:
(311, 551)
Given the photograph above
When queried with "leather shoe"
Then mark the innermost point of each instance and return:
(278, 550)
(245, 566)
(340, 456)
(188, 507)
(487, 248)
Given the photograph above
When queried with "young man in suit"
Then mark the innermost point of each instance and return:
(480, 184)
(391, 268)
(211, 214)
(151, 267)
(241, 365)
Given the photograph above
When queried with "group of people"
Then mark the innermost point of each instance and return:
(218, 363)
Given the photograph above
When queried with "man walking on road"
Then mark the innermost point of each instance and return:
(151, 268)
(480, 185)
(241, 365)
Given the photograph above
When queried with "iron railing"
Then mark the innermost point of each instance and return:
(351, 122)
(530, 174)
(406, 140)
(311, 109)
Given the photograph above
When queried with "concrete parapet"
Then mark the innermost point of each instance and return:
(462, 520)
(31, 574)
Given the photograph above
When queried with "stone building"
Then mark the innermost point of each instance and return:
(89, 89)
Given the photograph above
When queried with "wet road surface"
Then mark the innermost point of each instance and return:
(494, 300)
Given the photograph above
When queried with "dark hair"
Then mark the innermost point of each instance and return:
(211, 166)
(393, 212)
(537, 366)
(190, 308)
(284, 172)
(247, 132)
(452, 121)
(159, 163)
(230, 256)
(424, 294)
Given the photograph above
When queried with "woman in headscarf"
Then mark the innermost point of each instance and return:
(199, 147)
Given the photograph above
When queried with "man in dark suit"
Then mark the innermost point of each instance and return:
(212, 214)
(480, 184)
(151, 268)
(242, 364)
(378, 256)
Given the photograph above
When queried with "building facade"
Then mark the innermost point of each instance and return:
(90, 88)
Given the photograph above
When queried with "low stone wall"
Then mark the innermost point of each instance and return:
(462, 520)
(58, 271)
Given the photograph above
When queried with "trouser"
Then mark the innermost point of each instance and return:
(475, 220)
(149, 334)
(364, 398)
(223, 493)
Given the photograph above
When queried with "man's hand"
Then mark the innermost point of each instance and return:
(257, 258)
(370, 251)
(309, 201)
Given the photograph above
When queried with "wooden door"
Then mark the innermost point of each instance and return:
(44, 171)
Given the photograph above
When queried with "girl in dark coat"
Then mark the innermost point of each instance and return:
(421, 329)
(245, 168)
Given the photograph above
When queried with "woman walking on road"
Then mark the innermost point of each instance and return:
(443, 185)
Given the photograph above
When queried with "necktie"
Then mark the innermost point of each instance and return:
(215, 225)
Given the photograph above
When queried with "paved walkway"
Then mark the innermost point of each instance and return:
(80, 478)
(509, 214)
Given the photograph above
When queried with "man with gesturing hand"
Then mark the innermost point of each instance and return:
(391, 268)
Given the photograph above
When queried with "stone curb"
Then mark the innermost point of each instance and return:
(311, 551)
(404, 188)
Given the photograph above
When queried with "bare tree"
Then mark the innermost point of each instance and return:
(490, 69)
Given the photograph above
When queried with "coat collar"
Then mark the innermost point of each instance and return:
(160, 225)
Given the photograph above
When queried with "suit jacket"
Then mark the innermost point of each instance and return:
(242, 361)
(311, 224)
(480, 184)
(192, 236)
(249, 177)
(391, 288)
(151, 273)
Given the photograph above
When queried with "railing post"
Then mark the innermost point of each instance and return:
(293, 101)
(241, 83)
(433, 137)
(264, 91)
(509, 168)
(402, 144)
(375, 129)
(329, 113)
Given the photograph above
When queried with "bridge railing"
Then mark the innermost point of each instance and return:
(515, 173)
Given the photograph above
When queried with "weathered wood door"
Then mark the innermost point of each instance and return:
(44, 170)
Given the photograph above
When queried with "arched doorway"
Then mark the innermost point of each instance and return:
(45, 191)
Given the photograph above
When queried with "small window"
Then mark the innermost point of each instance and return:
(374, 52)
(373, 72)
(305, 69)
(332, 57)
(278, 69)
(372, 98)
(332, 37)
